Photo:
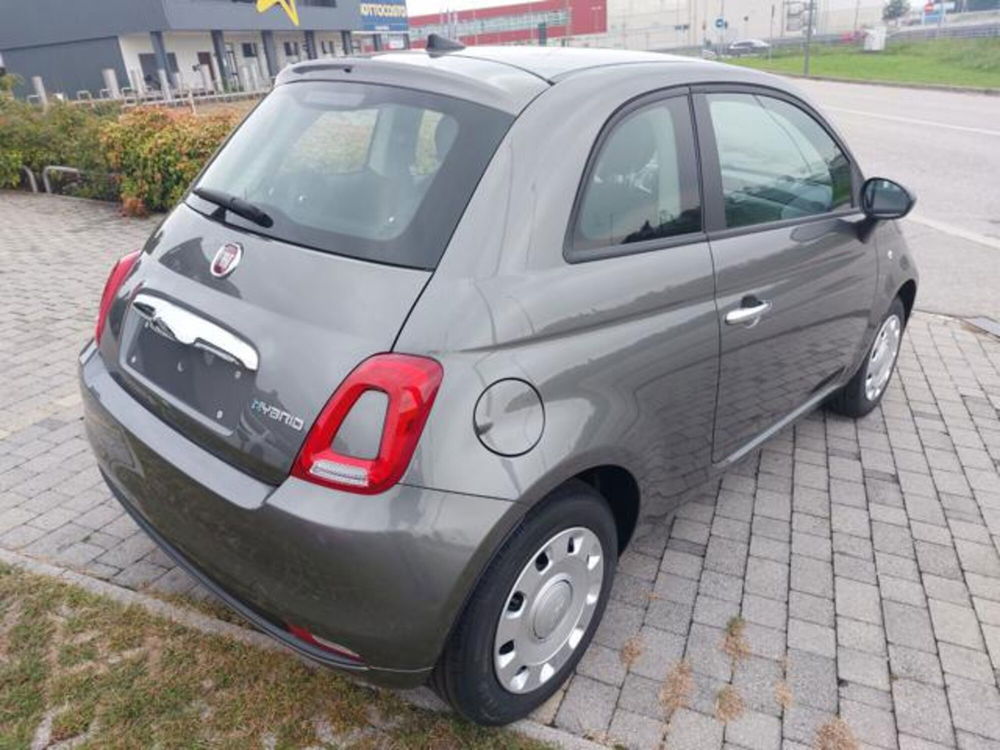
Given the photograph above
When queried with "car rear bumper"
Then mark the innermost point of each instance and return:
(382, 575)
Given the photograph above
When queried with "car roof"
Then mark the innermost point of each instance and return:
(508, 78)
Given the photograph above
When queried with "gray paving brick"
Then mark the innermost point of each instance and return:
(808, 636)
(955, 624)
(811, 608)
(620, 623)
(870, 725)
(801, 723)
(603, 664)
(641, 695)
(922, 710)
(693, 731)
(587, 707)
(766, 612)
(756, 679)
(681, 564)
(755, 731)
(767, 578)
(903, 591)
(658, 651)
(908, 626)
(674, 588)
(138, 574)
(721, 586)
(863, 668)
(715, 612)
(670, 616)
(726, 556)
(634, 731)
(812, 576)
(813, 679)
(975, 707)
(859, 601)
(764, 641)
(967, 663)
(704, 651)
(861, 636)
(922, 666)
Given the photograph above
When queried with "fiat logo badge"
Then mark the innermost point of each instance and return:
(226, 259)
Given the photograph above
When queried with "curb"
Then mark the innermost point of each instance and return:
(419, 697)
(893, 84)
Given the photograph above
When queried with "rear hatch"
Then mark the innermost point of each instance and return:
(299, 254)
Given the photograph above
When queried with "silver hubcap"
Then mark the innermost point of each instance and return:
(883, 357)
(548, 610)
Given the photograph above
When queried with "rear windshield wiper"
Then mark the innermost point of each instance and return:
(238, 206)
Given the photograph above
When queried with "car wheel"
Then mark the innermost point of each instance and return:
(865, 390)
(534, 611)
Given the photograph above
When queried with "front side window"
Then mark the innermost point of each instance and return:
(643, 184)
(372, 172)
(776, 161)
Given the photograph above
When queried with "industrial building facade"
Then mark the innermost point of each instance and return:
(646, 24)
(215, 44)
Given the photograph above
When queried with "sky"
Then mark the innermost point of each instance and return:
(423, 7)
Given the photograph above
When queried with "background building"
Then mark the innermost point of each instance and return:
(217, 44)
(646, 24)
(517, 23)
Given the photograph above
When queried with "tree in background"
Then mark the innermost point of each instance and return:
(8, 81)
(895, 9)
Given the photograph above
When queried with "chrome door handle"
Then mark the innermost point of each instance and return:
(180, 325)
(747, 316)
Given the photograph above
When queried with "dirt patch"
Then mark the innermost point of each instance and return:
(735, 644)
(728, 704)
(631, 651)
(835, 735)
(677, 689)
(783, 695)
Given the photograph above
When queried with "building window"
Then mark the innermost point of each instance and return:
(249, 49)
(291, 49)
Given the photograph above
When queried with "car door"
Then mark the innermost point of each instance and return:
(638, 251)
(794, 282)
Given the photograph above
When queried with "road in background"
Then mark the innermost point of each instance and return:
(945, 147)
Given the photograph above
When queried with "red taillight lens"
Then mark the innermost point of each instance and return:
(410, 383)
(314, 640)
(118, 274)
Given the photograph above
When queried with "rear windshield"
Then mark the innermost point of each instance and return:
(372, 172)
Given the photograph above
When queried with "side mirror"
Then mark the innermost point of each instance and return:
(885, 199)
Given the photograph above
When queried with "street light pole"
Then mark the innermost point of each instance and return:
(770, 38)
(809, 36)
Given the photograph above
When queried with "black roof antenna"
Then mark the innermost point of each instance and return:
(437, 44)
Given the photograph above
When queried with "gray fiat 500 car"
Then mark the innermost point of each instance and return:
(435, 329)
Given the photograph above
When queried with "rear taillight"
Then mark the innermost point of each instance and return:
(410, 383)
(118, 274)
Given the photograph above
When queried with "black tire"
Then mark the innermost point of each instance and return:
(851, 400)
(465, 675)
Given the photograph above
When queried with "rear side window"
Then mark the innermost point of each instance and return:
(776, 161)
(643, 183)
(371, 172)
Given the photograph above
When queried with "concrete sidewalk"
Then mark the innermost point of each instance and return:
(855, 563)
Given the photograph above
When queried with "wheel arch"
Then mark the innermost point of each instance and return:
(620, 491)
(908, 294)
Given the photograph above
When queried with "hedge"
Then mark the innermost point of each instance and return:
(155, 153)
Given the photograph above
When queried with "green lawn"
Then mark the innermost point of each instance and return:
(954, 62)
(75, 666)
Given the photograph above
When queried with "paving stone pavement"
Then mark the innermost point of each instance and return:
(848, 569)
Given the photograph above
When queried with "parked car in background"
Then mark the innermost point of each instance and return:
(402, 373)
(748, 47)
